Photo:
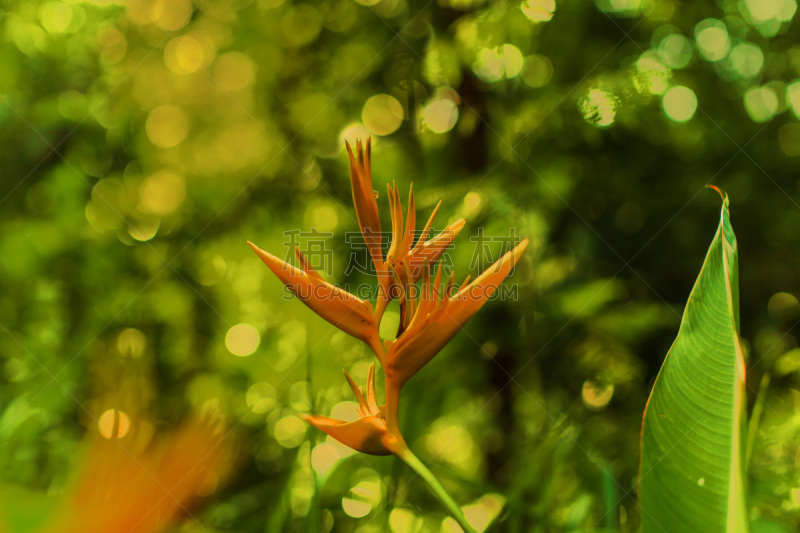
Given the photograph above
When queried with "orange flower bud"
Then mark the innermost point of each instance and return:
(367, 434)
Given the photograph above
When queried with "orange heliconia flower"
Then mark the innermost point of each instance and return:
(367, 434)
(428, 320)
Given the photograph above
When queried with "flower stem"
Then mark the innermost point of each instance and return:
(422, 471)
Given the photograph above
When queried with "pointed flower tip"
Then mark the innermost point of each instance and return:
(270, 260)
(520, 248)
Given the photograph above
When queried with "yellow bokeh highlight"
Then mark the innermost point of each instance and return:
(675, 50)
(56, 17)
(596, 394)
(713, 41)
(232, 147)
(242, 340)
(747, 59)
(389, 324)
(512, 60)
(537, 70)
(234, 71)
(352, 133)
(760, 11)
(599, 108)
(489, 64)
(166, 126)
(322, 217)
(653, 76)
(113, 46)
(290, 431)
(480, 514)
(472, 203)
(131, 343)
(355, 508)
(144, 229)
(162, 193)
(622, 7)
(538, 10)
(382, 114)
(793, 97)
(189, 53)
(324, 457)
(440, 115)
(452, 443)
(346, 410)
(113, 424)
(363, 498)
(493, 64)
(789, 139)
(300, 500)
(301, 24)
(139, 11)
(783, 307)
(794, 494)
(761, 104)
(261, 397)
(402, 520)
(171, 15)
(679, 103)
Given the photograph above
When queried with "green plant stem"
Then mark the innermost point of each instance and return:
(315, 511)
(449, 503)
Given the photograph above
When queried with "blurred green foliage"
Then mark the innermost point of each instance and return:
(144, 141)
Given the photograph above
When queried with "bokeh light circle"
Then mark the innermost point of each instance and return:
(538, 10)
(599, 108)
(713, 41)
(162, 193)
(242, 340)
(679, 103)
(113, 424)
(537, 70)
(440, 115)
(382, 114)
(131, 342)
(166, 126)
(234, 71)
(761, 104)
(290, 431)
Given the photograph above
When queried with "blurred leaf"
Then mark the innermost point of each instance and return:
(22, 509)
(692, 466)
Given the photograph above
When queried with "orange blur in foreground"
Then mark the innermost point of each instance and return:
(118, 490)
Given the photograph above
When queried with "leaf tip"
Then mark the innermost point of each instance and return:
(722, 194)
